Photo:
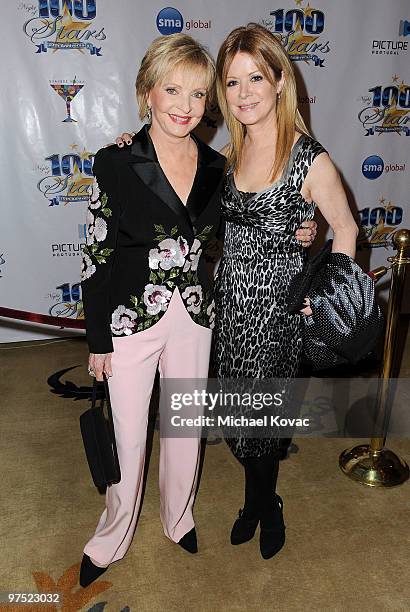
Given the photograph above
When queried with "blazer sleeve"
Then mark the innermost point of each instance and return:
(98, 255)
(220, 234)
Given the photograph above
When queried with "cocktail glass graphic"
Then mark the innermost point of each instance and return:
(68, 92)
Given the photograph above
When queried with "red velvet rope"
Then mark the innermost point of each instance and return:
(35, 317)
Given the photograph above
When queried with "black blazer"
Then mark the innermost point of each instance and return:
(142, 242)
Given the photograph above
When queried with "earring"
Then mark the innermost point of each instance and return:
(279, 95)
(148, 115)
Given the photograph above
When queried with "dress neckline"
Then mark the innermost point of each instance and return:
(280, 180)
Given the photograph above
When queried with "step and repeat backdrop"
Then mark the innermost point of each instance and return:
(68, 75)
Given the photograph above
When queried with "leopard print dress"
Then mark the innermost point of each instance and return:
(254, 335)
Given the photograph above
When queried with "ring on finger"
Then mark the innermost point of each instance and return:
(91, 372)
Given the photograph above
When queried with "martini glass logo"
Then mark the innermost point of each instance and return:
(68, 91)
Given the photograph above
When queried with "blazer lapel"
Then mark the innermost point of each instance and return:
(207, 179)
(147, 168)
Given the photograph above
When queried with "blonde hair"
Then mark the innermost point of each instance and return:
(166, 53)
(271, 59)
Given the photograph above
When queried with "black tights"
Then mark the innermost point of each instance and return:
(261, 474)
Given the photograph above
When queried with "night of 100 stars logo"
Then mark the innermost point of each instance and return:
(301, 32)
(378, 224)
(68, 177)
(2, 262)
(387, 108)
(66, 301)
(65, 24)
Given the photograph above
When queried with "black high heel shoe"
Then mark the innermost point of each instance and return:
(189, 542)
(243, 529)
(89, 572)
(272, 535)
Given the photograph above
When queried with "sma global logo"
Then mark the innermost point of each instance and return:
(372, 167)
(169, 21)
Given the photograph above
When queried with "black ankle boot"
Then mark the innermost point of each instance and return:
(272, 536)
(243, 529)
(89, 572)
(188, 541)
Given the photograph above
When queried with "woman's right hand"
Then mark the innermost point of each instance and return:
(99, 363)
(125, 138)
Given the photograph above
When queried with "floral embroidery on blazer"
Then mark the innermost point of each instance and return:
(96, 232)
(142, 242)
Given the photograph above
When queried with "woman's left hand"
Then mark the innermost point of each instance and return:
(306, 233)
(307, 309)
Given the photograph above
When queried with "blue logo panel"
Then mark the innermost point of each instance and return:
(169, 21)
(372, 167)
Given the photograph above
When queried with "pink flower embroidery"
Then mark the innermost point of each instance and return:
(123, 321)
(156, 298)
(193, 298)
(169, 254)
(193, 256)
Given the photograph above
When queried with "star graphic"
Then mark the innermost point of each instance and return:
(298, 38)
(73, 146)
(395, 78)
(403, 86)
(64, 34)
(78, 184)
(298, 2)
(389, 207)
(308, 10)
(381, 233)
(382, 200)
(85, 155)
(392, 116)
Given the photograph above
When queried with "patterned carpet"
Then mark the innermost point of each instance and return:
(347, 545)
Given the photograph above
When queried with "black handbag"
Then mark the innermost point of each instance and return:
(346, 320)
(98, 435)
(306, 279)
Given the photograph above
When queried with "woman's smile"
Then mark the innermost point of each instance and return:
(180, 119)
(248, 107)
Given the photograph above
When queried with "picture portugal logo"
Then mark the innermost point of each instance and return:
(169, 21)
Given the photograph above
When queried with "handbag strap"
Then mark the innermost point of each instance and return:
(110, 419)
(96, 385)
(94, 394)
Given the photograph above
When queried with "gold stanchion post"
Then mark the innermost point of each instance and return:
(372, 464)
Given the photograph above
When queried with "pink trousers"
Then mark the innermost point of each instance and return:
(180, 349)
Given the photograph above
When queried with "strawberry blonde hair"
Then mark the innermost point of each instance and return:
(272, 60)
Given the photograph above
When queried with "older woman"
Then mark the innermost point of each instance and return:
(277, 175)
(146, 291)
